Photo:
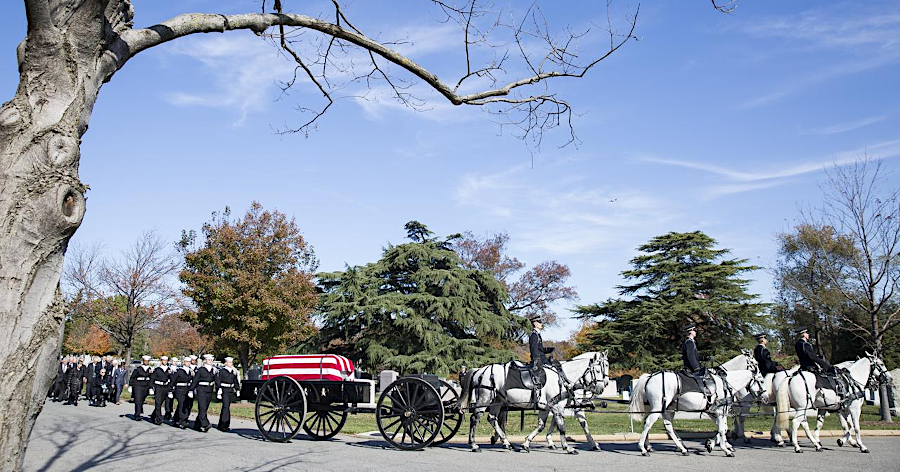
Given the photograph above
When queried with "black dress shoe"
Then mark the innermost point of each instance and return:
(136, 418)
(204, 429)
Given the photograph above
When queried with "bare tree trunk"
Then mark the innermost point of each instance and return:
(244, 357)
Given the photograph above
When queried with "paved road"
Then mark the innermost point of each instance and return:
(68, 438)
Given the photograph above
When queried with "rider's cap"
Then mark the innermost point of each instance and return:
(534, 318)
(690, 327)
(800, 331)
(760, 336)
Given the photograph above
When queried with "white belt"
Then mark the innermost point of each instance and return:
(159, 382)
(182, 384)
(140, 379)
(206, 384)
(227, 385)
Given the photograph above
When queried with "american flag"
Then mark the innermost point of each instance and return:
(309, 367)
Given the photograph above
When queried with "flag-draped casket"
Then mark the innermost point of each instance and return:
(309, 367)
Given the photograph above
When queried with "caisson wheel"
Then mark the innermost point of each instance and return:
(453, 417)
(324, 424)
(410, 413)
(280, 409)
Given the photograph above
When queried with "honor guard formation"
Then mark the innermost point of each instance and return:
(173, 383)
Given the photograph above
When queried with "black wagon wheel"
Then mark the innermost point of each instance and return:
(280, 409)
(323, 424)
(453, 417)
(410, 413)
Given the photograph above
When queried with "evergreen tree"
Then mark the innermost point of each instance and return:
(679, 278)
(417, 309)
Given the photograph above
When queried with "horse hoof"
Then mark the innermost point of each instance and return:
(645, 453)
(864, 451)
(553, 447)
(572, 451)
(649, 448)
(729, 454)
(596, 447)
(525, 449)
(781, 444)
(840, 442)
(684, 453)
(819, 449)
(798, 451)
(709, 446)
(476, 450)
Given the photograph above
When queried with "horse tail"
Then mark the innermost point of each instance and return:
(783, 403)
(465, 389)
(637, 407)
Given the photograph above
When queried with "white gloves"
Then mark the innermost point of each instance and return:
(219, 394)
(170, 395)
(129, 389)
(191, 394)
(151, 391)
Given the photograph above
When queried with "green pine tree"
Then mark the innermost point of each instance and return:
(418, 309)
(679, 278)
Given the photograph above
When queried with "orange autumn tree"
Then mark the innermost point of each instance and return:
(175, 336)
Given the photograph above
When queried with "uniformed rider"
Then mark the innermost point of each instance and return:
(807, 355)
(691, 358)
(762, 356)
(536, 344)
(139, 386)
(228, 380)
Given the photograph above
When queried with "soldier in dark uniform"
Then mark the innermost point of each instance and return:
(691, 358)
(181, 381)
(160, 386)
(170, 398)
(204, 384)
(762, 356)
(228, 381)
(139, 386)
(536, 344)
(807, 355)
(75, 376)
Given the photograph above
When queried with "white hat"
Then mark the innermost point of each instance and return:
(145, 358)
(174, 359)
(193, 357)
(208, 356)
(229, 359)
(163, 358)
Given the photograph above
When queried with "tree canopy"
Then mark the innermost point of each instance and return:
(678, 279)
(251, 282)
(417, 309)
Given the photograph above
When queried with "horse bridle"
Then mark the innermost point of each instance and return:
(753, 366)
(583, 380)
(875, 380)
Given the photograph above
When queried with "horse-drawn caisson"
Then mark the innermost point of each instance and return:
(318, 392)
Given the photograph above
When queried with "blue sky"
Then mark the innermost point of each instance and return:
(721, 123)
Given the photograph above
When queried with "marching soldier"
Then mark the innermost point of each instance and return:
(193, 365)
(762, 356)
(139, 386)
(182, 383)
(204, 384)
(160, 389)
(536, 344)
(170, 398)
(228, 380)
(691, 359)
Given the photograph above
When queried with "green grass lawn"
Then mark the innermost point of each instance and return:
(610, 420)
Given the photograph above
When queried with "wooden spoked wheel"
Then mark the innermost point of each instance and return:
(453, 417)
(324, 424)
(410, 414)
(280, 409)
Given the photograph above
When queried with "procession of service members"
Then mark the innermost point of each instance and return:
(173, 383)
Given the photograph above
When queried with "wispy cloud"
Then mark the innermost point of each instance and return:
(849, 126)
(743, 180)
(556, 211)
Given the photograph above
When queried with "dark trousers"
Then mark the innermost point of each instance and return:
(117, 392)
(182, 411)
(74, 392)
(225, 415)
(169, 405)
(204, 396)
(140, 394)
(160, 396)
(59, 390)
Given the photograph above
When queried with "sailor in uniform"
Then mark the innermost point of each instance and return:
(170, 398)
(228, 380)
(204, 385)
(139, 386)
(159, 389)
(181, 381)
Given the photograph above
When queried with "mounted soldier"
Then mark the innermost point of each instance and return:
(811, 362)
(691, 358)
(536, 343)
(763, 357)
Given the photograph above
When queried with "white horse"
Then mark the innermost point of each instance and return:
(484, 390)
(800, 396)
(664, 395)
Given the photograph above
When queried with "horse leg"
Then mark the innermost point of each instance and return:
(475, 418)
(795, 425)
(855, 410)
(560, 420)
(722, 423)
(579, 415)
(492, 419)
(820, 420)
(667, 417)
(551, 426)
(501, 418)
(809, 435)
(775, 432)
(542, 420)
(845, 427)
(648, 423)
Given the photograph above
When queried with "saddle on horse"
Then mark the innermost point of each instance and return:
(526, 376)
(697, 382)
(840, 382)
